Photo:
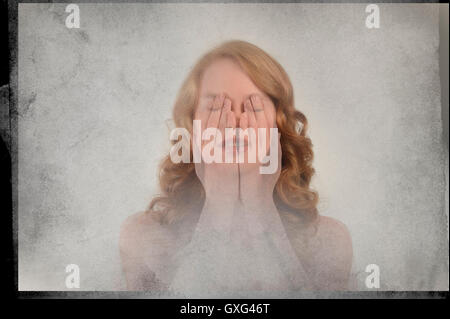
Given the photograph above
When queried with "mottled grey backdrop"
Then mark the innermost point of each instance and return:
(93, 105)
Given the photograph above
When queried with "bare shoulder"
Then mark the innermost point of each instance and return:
(333, 254)
(334, 234)
(326, 252)
(145, 246)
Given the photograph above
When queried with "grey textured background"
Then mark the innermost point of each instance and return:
(93, 105)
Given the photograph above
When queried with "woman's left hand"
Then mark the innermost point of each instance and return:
(256, 188)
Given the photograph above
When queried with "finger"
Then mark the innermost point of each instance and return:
(250, 113)
(261, 120)
(231, 120)
(215, 110)
(203, 113)
(224, 114)
(243, 121)
(258, 108)
(230, 135)
(270, 116)
(226, 108)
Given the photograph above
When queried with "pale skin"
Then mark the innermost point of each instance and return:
(228, 98)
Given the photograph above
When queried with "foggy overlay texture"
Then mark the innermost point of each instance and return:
(94, 104)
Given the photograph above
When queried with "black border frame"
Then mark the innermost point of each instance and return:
(12, 247)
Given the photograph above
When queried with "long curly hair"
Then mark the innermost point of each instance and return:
(180, 188)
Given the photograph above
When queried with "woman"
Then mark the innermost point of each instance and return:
(225, 226)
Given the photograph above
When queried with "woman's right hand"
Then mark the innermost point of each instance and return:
(220, 180)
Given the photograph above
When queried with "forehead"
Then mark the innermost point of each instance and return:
(225, 75)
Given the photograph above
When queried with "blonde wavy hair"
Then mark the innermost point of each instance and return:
(180, 187)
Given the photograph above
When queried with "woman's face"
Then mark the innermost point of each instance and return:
(225, 76)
